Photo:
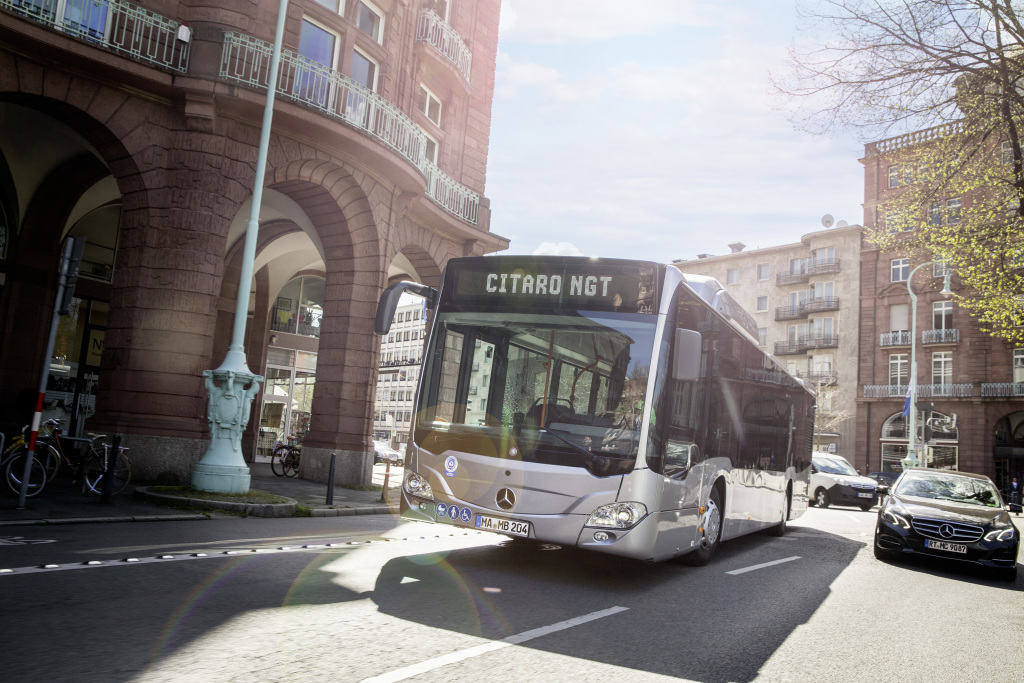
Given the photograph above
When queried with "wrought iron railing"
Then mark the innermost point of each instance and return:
(432, 29)
(895, 338)
(454, 198)
(1000, 389)
(805, 342)
(923, 390)
(121, 26)
(940, 336)
(789, 313)
(821, 303)
(804, 272)
(246, 60)
(819, 376)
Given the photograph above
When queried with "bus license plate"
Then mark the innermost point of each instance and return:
(948, 547)
(504, 526)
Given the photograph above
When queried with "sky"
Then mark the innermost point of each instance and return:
(647, 129)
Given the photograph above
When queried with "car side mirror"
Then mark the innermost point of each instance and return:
(882, 489)
(1015, 507)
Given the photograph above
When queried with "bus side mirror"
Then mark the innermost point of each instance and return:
(388, 303)
(686, 358)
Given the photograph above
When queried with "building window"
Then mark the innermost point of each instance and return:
(935, 213)
(443, 9)
(731, 276)
(762, 303)
(762, 271)
(900, 269)
(942, 315)
(940, 267)
(430, 149)
(319, 45)
(364, 70)
(797, 266)
(430, 105)
(899, 317)
(822, 290)
(953, 211)
(370, 21)
(894, 177)
(762, 336)
(823, 255)
(1018, 366)
(942, 368)
(899, 373)
(331, 5)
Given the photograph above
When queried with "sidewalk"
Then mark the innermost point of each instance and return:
(61, 503)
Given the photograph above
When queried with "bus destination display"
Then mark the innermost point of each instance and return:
(587, 284)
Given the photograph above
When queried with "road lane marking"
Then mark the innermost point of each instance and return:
(461, 655)
(763, 565)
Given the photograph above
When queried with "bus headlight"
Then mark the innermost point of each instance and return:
(618, 515)
(415, 485)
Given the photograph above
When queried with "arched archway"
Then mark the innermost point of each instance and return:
(1008, 448)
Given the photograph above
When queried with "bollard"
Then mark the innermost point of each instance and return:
(108, 476)
(330, 480)
(387, 475)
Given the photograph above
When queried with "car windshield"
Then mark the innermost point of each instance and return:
(951, 487)
(834, 466)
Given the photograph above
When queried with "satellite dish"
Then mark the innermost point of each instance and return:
(842, 224)
(826, 220)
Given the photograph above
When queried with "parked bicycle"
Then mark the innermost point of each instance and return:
(88, 463)
(284, 461)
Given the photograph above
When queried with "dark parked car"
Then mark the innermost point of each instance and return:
(952, 515)
(835, 482)
(884, 478)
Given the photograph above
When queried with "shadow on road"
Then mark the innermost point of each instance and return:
(697, 623)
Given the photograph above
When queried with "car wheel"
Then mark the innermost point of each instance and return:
(711, 532)
(821, 498)
(866, 506)
(1008, 574)
(880, 552)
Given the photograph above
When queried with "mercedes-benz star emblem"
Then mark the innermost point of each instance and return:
(946, 531)
(506, 499)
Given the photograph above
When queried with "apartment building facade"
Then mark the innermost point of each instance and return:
(804, 299)
(401, 357)
(960, 370)
(136, 126)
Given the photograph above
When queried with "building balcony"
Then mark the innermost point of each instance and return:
(923, 391)
(940, 336)
(823, 377)
(398, 363)
(433, 30)
(822, 303)
(246, 60)
(1002, 389)
(895, 338)
(125, 28)
(789, 313)
(819, 267)
(806, 342)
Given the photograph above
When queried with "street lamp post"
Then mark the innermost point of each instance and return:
(233, 386)
(912, 460)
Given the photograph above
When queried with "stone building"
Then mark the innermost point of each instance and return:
(803, 297)
(136, 126)
(401, 357)
(960, 370)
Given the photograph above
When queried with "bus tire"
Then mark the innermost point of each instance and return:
(711, 531)
(779, 529)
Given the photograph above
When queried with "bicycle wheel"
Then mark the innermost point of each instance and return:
(291, 463)
(276, 464)
(95, 470)
(51, 460)
(16, 470)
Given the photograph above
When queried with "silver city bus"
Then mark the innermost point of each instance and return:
(619, 406)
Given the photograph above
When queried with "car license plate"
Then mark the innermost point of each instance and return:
(948, 547)
(865, 495)
(504, 526)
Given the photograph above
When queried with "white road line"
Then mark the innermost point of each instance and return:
(762, 566)
(454, 657)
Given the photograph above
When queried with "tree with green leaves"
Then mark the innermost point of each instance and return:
(944, 80)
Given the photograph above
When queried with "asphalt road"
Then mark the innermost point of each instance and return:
(366, 598)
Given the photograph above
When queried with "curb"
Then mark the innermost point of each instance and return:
(250, 509)
(103, 520)
(347, 512)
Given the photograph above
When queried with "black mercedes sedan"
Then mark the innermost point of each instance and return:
(952, 515)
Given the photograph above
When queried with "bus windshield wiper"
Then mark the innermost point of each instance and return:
(575, 446)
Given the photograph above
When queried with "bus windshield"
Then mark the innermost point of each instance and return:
(564, 389)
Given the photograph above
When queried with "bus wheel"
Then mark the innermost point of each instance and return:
(711, 531)
(780, 528)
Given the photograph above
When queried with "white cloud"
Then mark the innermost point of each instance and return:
(557, 249)
(575, 21)
(513, 78)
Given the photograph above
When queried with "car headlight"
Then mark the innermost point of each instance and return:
(617, 515)
(897, 516)
(1001, 534)
(415, 485)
